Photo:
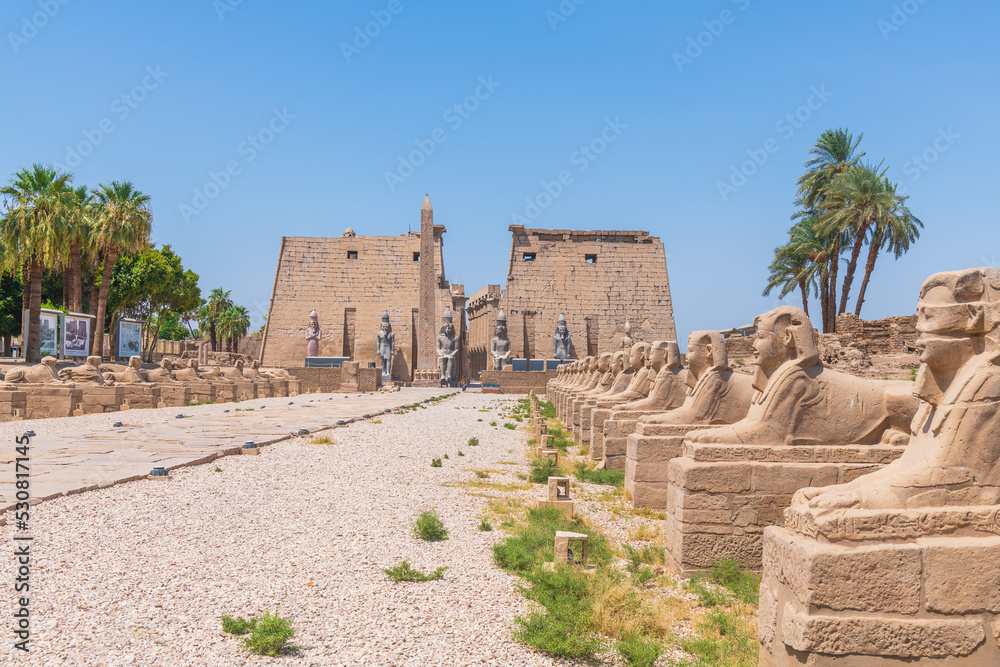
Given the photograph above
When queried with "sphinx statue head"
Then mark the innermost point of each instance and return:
(785, 334)
(706, 350)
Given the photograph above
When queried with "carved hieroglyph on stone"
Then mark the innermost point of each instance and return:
(904, 564)
(500, 345)
(385, 346)
(314, 335)
(806, 424)
(716, 395)
(667, 393)
(561, 341)
(447, 348)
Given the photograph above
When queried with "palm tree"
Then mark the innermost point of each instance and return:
(834, 152)
(28, 231)
(122, 226)
(790, 269)
(210, 312)
(894, 232)
(80, 218)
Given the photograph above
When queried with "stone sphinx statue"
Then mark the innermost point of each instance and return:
(278, 373)
(385, 346)
(799, 401)
(447, 348)
(927, 522)
(87, 373)
(314, 335)
(161, 375)
(500, 345)
(668, 388)
(131, 374)
(953, 458)
(42, 373)
(640, 381)
(716, 395)
(189, 374)
(560, 341)
(235, 372)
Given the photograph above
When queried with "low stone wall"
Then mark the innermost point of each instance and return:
(369, 379)
(518, 382)
(317, 379)
(890, 335)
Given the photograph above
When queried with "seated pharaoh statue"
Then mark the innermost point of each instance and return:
(900, 566)
(716, 395)
(42, 373)
(799, 401)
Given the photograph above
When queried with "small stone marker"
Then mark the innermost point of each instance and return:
(558, 496)
(159, 473)
(250, 448)
(564, 554)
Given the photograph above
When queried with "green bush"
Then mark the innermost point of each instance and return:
(743, 584)
(436, 463)
(485, 525)
(481, 474)
(445, 456)
(638, 651)
(403, 572)
(493, 423)
(429, 527)
(460, 453)
(473, 442)
(602, 476)
(542, 469)
(268, 633)
(563, 629)
(509, 426)
(532, 542)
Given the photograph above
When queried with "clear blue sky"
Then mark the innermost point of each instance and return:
(201, 77)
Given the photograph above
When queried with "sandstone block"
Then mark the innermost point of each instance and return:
(962, 575)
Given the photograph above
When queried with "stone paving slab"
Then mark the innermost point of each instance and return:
(100, 456)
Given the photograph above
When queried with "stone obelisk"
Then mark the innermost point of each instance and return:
(426, 350)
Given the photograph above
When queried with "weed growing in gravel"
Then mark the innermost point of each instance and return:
(479, 420)
(460, 453)
(244, 409)
(644, 533)
(321, 440)
(218, 469)
(473, 442)
(614, 478)
(429, 527)
(269, 633)
(542, 469)
(481, 474)
(435, 463)
(493, 423)
(509, 425)
(485, 526)
(403, 572)
(445, 456)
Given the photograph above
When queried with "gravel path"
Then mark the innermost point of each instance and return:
(139, 574)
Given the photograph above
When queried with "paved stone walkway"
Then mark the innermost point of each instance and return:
(71, 460)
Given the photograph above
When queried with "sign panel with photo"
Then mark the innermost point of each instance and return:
(48, 329)
(129, 338)
(76, 341)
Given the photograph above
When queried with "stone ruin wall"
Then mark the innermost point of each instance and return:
(482, 316)
(597, 279)
(349, 292)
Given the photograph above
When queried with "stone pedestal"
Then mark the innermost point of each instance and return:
(908, 596)
(13, 404)
(226, 391)
(617, 428)
(721, 497)
(201, 392)
(174, 395)
(426, 377)
(98, 399)
(51, 400)
(279, 387)
(349, 377)
(647, 453)
(294, 387)
(262, 389)
(141, 395)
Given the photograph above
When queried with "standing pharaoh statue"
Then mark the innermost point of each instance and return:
(561, 341)
(386, 345)
(447, 348)
(314, 335)
(500, 345)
